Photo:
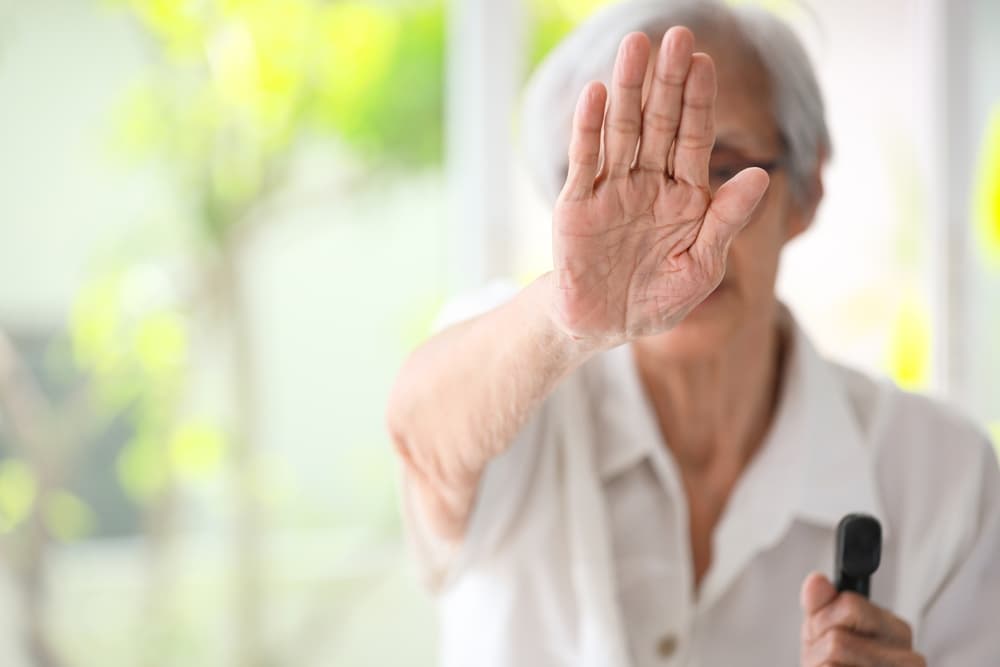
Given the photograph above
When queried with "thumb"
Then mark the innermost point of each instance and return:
(816, 593)
(731, 207)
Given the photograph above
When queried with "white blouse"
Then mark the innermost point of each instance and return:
(578, 550)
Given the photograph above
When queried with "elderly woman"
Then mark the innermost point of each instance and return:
(640, 458)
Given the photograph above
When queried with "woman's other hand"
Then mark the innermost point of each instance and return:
(846, 629)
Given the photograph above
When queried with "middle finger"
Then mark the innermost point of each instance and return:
(662, 112)
(621, 130)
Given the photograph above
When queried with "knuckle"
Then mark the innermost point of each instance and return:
(585, 156)
(906, 633)
(837, 644)
(910, 660)
(805, 630)
(660, 121)
(649, 164)
(850, 606)
(624, 125)
(701, 139)
(618, 168)
(698, 104)
(816, 625)
(671, 79)
(849, 611)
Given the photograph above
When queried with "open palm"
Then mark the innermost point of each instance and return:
(638, 237)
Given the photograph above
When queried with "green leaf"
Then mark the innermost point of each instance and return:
(18, 489)
(142, 468)
(197, 450)
(160, 343)
(415, 325)
(95, 325)
(908, 357)
(987, 193)
(548, 31)
(383, 93)
(177, 23)
(244, 80)
(67, 517)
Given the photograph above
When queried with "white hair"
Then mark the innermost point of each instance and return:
(588, 54)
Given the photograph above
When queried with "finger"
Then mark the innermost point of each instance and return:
(696, 134)
(844, 648)
(662, 113)
(729, 212)
(817, 591)
(585, 142)
(837, 650)
(621, 132)
(859, 615)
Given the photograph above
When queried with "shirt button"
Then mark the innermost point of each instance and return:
(667, 646)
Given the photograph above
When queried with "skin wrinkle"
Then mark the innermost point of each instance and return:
(623, 227)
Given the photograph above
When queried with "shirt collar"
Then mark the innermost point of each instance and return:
(629, 432)
(815, 465)
(838, 474)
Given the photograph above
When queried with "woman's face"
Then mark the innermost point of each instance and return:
(746, 135)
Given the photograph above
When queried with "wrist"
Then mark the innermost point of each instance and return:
(575, 349)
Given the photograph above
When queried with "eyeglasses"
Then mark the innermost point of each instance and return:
(723, 169)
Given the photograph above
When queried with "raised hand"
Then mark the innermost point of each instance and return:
(639, 239)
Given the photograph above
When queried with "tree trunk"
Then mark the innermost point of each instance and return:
(247, 543)
(30, 417)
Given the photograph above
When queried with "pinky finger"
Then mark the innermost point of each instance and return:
(585, 142)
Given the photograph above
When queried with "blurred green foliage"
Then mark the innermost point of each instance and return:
(987, 202)
(121, 328)
(908, 351)
(233, 90)
(67, 517)
(550, 25)
(132, 335)
(241, 81)
(551, 20)
(18, 488)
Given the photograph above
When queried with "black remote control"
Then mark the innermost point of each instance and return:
(859, 549)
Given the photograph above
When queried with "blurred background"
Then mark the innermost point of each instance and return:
(224, 223)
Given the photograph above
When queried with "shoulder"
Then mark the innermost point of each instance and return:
(922, 431)
(937, 477)
(936, 470)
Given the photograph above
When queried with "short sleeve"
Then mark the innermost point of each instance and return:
(959, 625)
(496, 513)
(496, 509)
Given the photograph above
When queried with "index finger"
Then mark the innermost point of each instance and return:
(852, 612)
(585, 143)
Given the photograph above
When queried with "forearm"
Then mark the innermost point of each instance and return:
(462, 397)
